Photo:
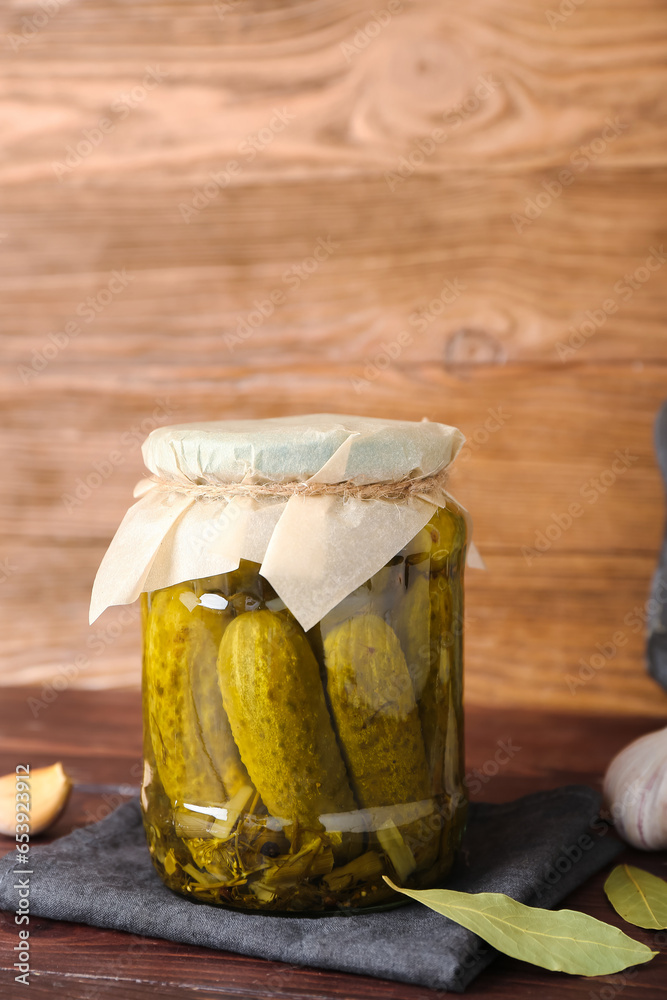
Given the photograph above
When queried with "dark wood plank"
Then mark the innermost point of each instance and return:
(80, 962)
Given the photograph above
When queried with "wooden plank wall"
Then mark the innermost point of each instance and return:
(459, 211)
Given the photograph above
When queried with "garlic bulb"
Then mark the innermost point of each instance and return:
(44, 791)
(635, 788)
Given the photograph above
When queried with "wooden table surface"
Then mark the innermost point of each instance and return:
(116, 114)
(97, 736)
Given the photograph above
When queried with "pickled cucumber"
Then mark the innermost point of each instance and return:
(450, 527)
(441, 707)
(195, 754)
(411, 621)
(401, 596)
(374, 708)
(273, 696)
(434, 707)
(375, 711)
(454, 758)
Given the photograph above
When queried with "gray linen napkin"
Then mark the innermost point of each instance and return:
(536, 849)
(656, 643)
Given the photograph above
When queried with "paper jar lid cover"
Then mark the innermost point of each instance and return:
(283, 449)
(315, 541)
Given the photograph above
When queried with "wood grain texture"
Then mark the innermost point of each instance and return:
(419, 152)
(98, 738)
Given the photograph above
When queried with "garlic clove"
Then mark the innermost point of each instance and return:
(635, 788)
(49, 789)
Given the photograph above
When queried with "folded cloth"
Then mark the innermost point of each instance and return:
(656, 643)
(536, 849)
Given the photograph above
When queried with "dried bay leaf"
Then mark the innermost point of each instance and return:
(638, 897)
(560, 940)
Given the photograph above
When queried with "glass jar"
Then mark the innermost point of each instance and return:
(288, 771)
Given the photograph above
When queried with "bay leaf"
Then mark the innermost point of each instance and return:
(560, 940)
(638, 897)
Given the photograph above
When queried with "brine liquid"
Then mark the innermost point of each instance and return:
(289, 771)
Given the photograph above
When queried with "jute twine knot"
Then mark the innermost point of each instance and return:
(401, 489)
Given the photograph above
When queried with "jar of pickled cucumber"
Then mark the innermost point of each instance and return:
(303, 659)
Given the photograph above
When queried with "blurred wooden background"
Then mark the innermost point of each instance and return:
(420, 149)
